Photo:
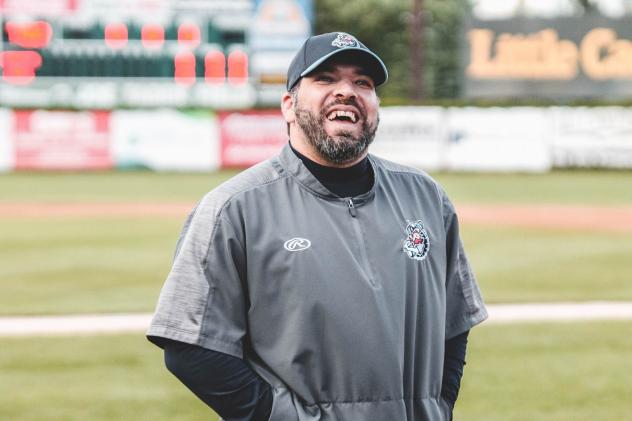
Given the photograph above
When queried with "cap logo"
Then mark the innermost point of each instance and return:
(344, 40)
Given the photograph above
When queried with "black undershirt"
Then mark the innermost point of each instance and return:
(225, 383)
(230, 387)
(344, 182)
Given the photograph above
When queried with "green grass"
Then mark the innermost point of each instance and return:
(547, 372)
(521, 265)
(136, 186)
(563, 187)
(91, 378)
(66, 265)
(572, 187)
(90, 265)
(84, 265)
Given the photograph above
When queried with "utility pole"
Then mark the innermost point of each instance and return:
(588, 7)
(417, 51)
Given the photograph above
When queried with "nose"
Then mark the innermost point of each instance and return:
(345, 89)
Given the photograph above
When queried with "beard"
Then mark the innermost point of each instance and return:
(341, 148)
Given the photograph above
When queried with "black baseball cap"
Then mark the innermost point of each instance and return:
(319, 48)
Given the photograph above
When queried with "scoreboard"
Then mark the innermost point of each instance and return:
(31, 51)
(111, 53)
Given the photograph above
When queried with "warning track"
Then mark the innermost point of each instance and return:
(100, 324)
(591, 218)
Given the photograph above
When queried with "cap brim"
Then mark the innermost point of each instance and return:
(369, 54)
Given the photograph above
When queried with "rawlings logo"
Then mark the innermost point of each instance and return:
(344, 40)
(297, 244)
(417, 242)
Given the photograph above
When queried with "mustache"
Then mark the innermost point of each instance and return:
(347, 101)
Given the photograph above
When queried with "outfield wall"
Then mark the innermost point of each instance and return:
(528, 139)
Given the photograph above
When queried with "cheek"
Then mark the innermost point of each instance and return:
(311, 101)
(372, 114)
(371, 105)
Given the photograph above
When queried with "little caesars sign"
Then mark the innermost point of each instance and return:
(571, 57)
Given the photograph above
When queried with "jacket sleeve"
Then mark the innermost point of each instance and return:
(464, 302)
(202, 301)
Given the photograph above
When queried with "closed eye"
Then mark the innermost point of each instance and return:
(323, 78)
(364, 82)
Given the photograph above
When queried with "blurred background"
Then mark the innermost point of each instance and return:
(116, 116)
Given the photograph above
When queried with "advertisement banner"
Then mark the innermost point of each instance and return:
(7, 155)
(413, 136)
(62, 140)
(592, 137)
(38, 7)
(498, 139)
(567, 57)
(165, 140)
(250, 137)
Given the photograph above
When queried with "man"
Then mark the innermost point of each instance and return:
(325, 283)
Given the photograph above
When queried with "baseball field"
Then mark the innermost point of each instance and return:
(102, 243)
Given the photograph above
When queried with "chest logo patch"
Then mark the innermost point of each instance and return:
(297, 244)
(417, 242)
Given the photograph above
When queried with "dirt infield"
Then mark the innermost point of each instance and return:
(592, 218)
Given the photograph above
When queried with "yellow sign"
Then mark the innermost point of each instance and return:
(543, 55)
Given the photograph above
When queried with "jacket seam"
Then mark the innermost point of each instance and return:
(209, 295)
(224, 205)
(355, 401)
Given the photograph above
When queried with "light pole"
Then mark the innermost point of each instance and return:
(416, 53)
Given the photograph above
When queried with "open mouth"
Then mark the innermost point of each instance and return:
(340, 115)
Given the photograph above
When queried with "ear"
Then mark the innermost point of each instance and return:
(287, 107)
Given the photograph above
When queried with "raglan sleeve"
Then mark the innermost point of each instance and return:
(464, 302)
(202, 301)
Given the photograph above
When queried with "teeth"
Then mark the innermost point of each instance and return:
(339, 113)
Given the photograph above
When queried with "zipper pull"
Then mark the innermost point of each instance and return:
(352, 209)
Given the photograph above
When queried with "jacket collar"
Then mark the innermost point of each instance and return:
(292, 165)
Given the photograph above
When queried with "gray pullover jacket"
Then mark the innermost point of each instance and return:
(343, 305)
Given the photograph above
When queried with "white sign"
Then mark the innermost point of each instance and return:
(592, 137)
(413, 136)
(165, 140)
(498, 139)
(7, 153)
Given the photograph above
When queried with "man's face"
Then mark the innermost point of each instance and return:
(336, 108)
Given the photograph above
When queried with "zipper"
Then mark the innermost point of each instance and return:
(352, 209)
(361, 244)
